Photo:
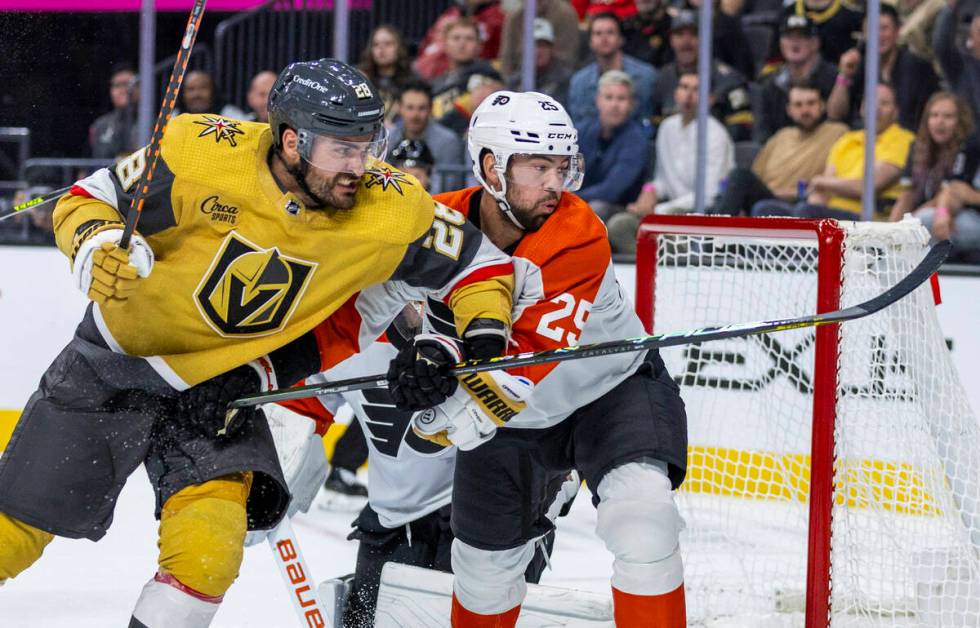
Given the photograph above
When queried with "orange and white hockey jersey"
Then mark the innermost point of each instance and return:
(565, 294)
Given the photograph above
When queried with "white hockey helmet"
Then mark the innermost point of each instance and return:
(523, 123)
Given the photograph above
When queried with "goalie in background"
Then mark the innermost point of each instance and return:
(619, 420)
(407, 517)
(342, 490)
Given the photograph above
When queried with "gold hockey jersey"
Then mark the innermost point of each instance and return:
(243, 268)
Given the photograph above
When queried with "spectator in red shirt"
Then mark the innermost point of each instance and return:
(432, 59)
(622, 8)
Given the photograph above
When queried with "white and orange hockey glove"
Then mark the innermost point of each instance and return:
(106, 273)
(471, 415)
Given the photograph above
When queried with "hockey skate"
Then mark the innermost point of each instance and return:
(342, 492)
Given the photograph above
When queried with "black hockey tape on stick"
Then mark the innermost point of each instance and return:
(166, 108)
(34, 202)
(919, 275)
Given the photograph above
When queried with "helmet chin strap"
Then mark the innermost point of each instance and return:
(501, 197)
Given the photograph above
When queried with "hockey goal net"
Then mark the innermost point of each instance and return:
(834, 474)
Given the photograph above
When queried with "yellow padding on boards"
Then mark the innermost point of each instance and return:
(202, 531)
(893, 486)
(20, 546)
(8, 419)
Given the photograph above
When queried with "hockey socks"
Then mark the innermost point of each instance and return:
(166, 603)
(649, 611)
(20, 546)
(462, 618)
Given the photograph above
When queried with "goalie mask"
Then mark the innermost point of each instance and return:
(516, 124)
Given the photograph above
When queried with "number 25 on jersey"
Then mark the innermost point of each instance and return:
(565, 324)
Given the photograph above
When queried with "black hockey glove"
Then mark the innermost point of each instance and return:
(205, 406)
(418, 377)
(485, 338)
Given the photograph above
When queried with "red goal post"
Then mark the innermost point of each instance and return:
(833, 474)
(830, 240)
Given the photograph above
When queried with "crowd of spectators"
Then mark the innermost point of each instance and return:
(786, 101)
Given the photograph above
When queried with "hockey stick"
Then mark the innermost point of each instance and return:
(153, 150)
(34, 202)
(166, 108)
(296, 574)
(919, 275)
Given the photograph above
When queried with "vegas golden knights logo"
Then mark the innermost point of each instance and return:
(251, 291)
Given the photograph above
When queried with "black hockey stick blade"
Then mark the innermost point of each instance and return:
(40, 201)
(919, 275)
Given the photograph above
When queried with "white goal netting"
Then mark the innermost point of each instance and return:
(905, 528)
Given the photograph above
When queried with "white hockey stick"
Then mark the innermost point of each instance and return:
(297, 576)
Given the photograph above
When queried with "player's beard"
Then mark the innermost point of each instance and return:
(323, 191)
(533, 218)
(327, 189)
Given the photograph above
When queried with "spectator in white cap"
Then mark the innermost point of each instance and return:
(551, 75)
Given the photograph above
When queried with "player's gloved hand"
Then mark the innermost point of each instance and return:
(206, 405)
(301, 457)
(108, 274)
(418, 377)
(470, 417)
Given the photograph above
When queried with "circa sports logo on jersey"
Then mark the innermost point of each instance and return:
(386, 177)
(213, 208)
(220, 129)
(249, 290)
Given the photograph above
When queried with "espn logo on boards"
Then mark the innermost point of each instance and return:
(305, 596)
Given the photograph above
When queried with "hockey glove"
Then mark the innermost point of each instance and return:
(301, 457)
(471, 416)
(418, 377)
(106, 273)
(205, 406)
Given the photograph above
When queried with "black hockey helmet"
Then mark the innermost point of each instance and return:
(328, 99)
(412, 154)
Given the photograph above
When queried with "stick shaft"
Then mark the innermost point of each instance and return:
(40, 201)
(166, 109)
(296, 575)
(919, 275)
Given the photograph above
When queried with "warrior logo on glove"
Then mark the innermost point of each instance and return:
(251, 291)
(485, 391)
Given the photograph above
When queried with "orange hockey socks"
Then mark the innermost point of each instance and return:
(462, 618)
(650, 611)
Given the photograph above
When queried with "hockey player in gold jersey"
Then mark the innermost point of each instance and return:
(251, 236)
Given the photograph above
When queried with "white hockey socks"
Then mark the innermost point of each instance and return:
(166, 603)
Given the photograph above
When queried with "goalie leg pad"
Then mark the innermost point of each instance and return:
(166, 603)
(202, 532)
(639, 523)
(20, 546)
(490, 582)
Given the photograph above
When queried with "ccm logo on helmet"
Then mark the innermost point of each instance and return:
(561, 136)
(308, 83)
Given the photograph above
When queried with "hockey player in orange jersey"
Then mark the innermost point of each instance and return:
(251, 236)
(618, 420)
